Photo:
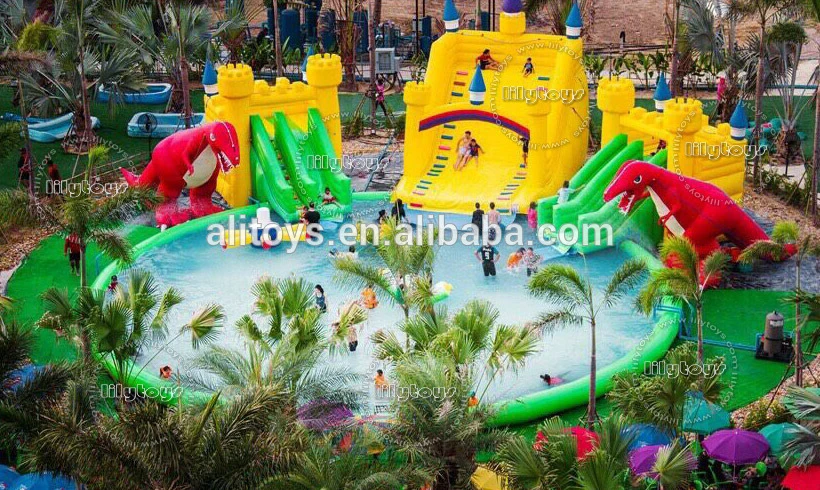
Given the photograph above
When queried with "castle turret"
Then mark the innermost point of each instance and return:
(662, 93)
(209, 82)
(616, 97)
(324, 73)
(235, 84)
(739, 122)
(451, 16)
(513, 21)
(478, 90)
(574, 22)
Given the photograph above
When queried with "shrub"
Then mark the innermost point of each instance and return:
(762, 414)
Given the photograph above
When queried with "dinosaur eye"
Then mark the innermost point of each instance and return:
(638, 179)
(213, 137)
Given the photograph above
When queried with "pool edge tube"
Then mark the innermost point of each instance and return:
(167, 391)
(576, 393)
(371, 196)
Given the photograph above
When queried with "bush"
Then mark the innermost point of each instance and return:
(761, 414)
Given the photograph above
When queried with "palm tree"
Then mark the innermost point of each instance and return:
(22, 404)
(784, 239)
(557, 12)
(401, 271)
(674, 465)
(470, 339)
(763, 12)
(93, 220)
(288, 354)
(574, 297)
(804, 448)
(686, 282)
(170, 37)
(658, 399)
(6, 305)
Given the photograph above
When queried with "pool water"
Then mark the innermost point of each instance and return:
(204, 273)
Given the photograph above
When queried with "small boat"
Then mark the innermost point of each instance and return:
(167, 124)
(51, 130)
(154, 93)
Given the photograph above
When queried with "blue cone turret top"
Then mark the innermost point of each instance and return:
(304, 62)
(451, 16)
(574, 22)
(662, 93)
(477, 88)
(739, 122)
(209, 77)
(512, 6)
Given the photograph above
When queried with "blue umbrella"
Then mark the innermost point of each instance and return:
(42, 481)
(7, 477)
(23, 375)
(703, 417)
(645, 435)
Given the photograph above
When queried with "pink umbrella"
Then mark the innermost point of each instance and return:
(736, 447)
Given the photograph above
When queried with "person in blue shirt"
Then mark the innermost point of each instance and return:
(488, 256)
(528, 68)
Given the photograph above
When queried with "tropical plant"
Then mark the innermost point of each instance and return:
(646, 65)
(657, 398)
(803, 449)
(594, 65)
(673, 465)
(6, 305)
(471, 339)
(287, 353)
(402, 268)
(233, 26)
(557, 12)
(686, 282)
(92, 219)
(577, 305)
(763, 13)
(785, 237)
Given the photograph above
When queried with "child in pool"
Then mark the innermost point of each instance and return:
(165, 372)
(531, 261)
(514, 260)
(321, 299)
(473, 400)
(369, 300)
(112, 286)
(551, 380)
(379, 380)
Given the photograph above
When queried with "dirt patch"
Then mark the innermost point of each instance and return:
(772, 209)
(18, 244)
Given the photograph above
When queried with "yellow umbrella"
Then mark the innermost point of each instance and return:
(484, 479)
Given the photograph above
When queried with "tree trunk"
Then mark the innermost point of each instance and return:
(673, 75)
(186, 93)
(815, 157)
(759, 89)
(371, 37)
(85, 339)
(277, 41)
(798, 340)
(26, 139)
(593, 366)
(699, 320)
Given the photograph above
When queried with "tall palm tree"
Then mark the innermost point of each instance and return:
(471, 339)
(92, 219)
(686, 282)
(406, 267)
(784, 238)
(762, 12)
(811, 11)
(573, 295)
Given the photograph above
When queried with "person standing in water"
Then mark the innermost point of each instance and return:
(321, 299)
(488, 256)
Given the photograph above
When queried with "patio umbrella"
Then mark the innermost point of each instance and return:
(586, 440)
(701, 416)
(7, 476)
(645, 435)
(778, 435)
(807, 478)
(42, 481)
(322, 415)
(643, 459)
(736, 446)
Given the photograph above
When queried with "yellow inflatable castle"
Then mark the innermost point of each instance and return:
(532, 92)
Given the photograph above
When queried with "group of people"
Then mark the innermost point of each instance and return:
(486, 62)
(25, 168)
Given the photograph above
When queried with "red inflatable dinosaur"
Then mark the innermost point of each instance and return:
(687, 207)
(190, 159)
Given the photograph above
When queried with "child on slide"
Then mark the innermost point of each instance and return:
(532, 216)
(475, 149)
(528, 68)
(327, 197)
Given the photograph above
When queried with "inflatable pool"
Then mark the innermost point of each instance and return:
(12, 117)
(154, 93)
(167, 124)
(54, 129)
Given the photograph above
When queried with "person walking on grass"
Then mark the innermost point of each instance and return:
(380, 95)
(73, 247)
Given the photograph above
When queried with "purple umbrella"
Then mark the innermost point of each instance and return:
(736, 447)
(322, 415)
(643, 459)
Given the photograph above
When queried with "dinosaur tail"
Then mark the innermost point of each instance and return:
(147, 178)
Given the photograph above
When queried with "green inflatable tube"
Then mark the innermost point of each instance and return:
(269, 182)
(302, 182)
(371, 196)
(557, 399)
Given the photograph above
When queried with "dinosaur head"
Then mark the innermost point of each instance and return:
(225, 144)
(631, 184)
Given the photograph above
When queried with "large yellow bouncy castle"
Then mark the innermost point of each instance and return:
(714, 154)
(289, 136)
(502, 106)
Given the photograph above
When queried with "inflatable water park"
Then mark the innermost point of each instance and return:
(546, 276)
